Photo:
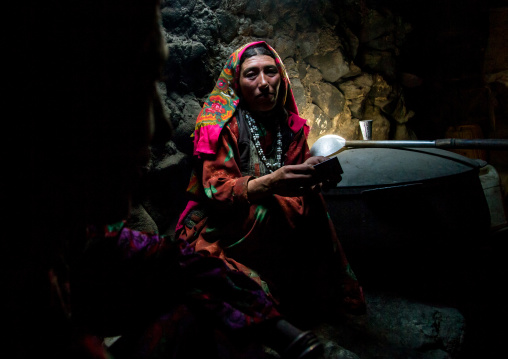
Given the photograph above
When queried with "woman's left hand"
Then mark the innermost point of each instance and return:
(330, 181)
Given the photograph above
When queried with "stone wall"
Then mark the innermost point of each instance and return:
(387, 61)
(319, 47)
(340, 58)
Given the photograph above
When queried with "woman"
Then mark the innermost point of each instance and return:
(256, 201)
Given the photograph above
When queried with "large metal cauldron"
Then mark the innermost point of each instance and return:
(402, 213)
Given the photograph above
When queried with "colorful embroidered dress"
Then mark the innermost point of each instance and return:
(287, 244)
(157, 294)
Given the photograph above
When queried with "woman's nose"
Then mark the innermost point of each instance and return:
(262, 81)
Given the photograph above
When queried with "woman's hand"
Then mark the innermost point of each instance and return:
(315, 160)
(327, 175)
(290, 181)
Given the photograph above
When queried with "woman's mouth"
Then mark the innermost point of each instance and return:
(265, 95)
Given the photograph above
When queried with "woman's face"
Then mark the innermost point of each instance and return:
(260, 82)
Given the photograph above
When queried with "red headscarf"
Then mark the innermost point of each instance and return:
(224, 99)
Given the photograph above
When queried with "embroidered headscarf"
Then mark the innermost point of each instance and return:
(224, 99)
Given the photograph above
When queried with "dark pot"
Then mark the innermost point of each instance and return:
(408, 216)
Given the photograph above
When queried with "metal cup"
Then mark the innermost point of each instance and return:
(366, 127)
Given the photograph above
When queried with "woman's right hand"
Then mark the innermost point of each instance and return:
(288, 181)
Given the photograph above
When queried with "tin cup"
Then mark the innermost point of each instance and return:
(366, 127)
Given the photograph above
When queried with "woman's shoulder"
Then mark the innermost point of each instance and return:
(296, 123)
(232, 125)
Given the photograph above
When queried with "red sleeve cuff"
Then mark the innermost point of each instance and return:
(240, 190)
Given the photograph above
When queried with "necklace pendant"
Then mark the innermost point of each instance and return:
(255, 137)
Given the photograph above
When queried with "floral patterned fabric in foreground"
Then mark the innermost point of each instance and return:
(156, 293)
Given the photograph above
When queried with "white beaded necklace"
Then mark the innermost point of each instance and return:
(255, 135)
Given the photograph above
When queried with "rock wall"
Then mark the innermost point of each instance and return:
(340, 58)
(319, 42)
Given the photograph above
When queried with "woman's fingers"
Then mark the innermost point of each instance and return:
(315, 160)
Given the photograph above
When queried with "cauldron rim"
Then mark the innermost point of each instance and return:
(374, 167)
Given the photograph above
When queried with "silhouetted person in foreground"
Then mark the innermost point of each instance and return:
(88, 108)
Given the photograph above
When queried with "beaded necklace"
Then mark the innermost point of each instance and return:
(255, 135)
